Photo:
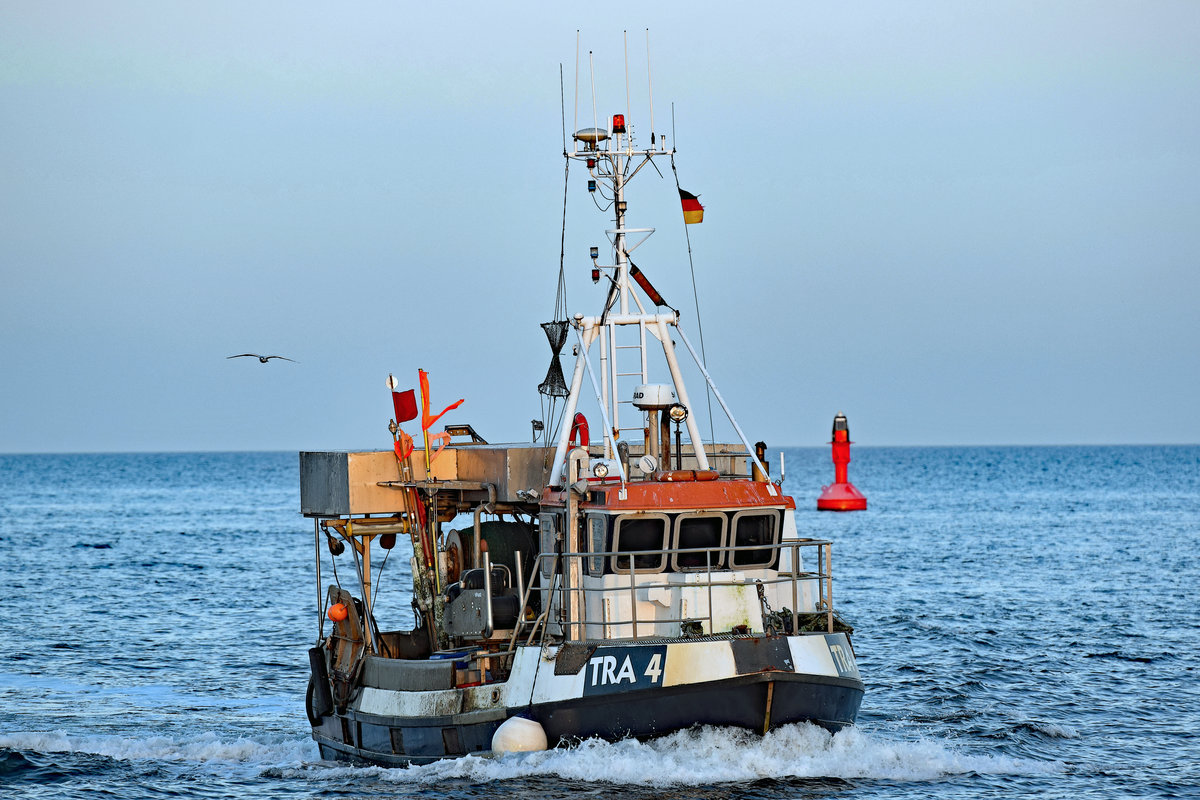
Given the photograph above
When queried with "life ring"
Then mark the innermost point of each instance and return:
(579, 429)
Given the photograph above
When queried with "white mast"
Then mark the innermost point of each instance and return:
(612, 160)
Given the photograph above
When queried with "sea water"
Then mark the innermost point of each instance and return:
(1027, 622)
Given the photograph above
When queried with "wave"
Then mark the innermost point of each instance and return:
(700, 756)
(704, 756)
(202, 748)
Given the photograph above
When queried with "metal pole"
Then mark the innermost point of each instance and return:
(520, 588)
(603, 412)
(720, 400)
(633, 595)
(487, 593)
(708, 574)
(677, 377)
(320, 594)
(564, 435)
(829, 582)
(795, 563)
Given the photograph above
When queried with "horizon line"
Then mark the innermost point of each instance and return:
(820, 446)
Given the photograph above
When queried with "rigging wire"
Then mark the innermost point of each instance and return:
(549, 403)
(560, 299)
(696, 296)
(379, 577)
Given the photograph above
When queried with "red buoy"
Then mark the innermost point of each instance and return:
(841, 495)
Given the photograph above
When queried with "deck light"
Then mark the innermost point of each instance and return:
(678, 414)
(600, 470)
(618, 123)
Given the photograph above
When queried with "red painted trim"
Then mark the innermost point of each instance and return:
(693, 495)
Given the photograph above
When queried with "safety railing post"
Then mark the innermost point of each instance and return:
(795, 570)
(708, 575)
(633, 595)
(829, 585)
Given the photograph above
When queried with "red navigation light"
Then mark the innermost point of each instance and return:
(618, 123)
(591, 162)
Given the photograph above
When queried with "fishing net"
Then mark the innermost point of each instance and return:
(555, 384)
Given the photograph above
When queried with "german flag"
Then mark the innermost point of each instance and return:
(693, 212)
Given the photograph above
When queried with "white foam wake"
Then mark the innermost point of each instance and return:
(695, 757)
(201, 748)
(714, 755)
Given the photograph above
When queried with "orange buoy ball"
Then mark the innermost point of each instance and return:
(338, 612)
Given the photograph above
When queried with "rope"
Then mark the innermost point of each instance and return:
(699, 324)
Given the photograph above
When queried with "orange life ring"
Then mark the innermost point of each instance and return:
(579, 429)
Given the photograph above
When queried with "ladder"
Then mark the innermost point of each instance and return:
(611, 374)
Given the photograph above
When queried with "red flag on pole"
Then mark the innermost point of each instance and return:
(405, 404)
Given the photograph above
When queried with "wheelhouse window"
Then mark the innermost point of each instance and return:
(641, 532)
(758, 530)
(548, 540)
(696, 531)
(597, 533)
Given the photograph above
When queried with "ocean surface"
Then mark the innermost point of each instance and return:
(1027, 621)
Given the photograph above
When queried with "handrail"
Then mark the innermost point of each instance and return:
(712, 578)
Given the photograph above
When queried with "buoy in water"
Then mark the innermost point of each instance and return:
(519, 735)
(841, 495)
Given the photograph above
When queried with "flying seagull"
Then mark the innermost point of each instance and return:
(263, 359)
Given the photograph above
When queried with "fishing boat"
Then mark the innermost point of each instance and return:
(627, 584)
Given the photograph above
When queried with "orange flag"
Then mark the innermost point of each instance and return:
(403, 445)
(426, 420)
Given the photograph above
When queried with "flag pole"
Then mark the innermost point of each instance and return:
(424, 430)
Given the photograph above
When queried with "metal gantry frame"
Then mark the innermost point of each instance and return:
(617, 161)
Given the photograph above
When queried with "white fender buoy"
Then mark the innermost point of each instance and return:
(519, 735)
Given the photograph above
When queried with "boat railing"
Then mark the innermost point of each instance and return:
(562, 595)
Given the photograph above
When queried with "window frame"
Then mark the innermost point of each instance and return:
(616, 542)
(548, 545)
(719, 549)
(776, 528)
(594, 564)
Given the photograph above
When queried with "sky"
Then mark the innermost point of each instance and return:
(957, 223)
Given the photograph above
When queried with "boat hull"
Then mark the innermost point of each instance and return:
(574, 696)
(759, 703)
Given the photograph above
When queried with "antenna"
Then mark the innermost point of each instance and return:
(562, 104)
(592, 69)
(628, 108)
(576, 81)
(650, 83)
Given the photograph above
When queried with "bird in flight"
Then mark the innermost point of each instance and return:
(262, 359)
